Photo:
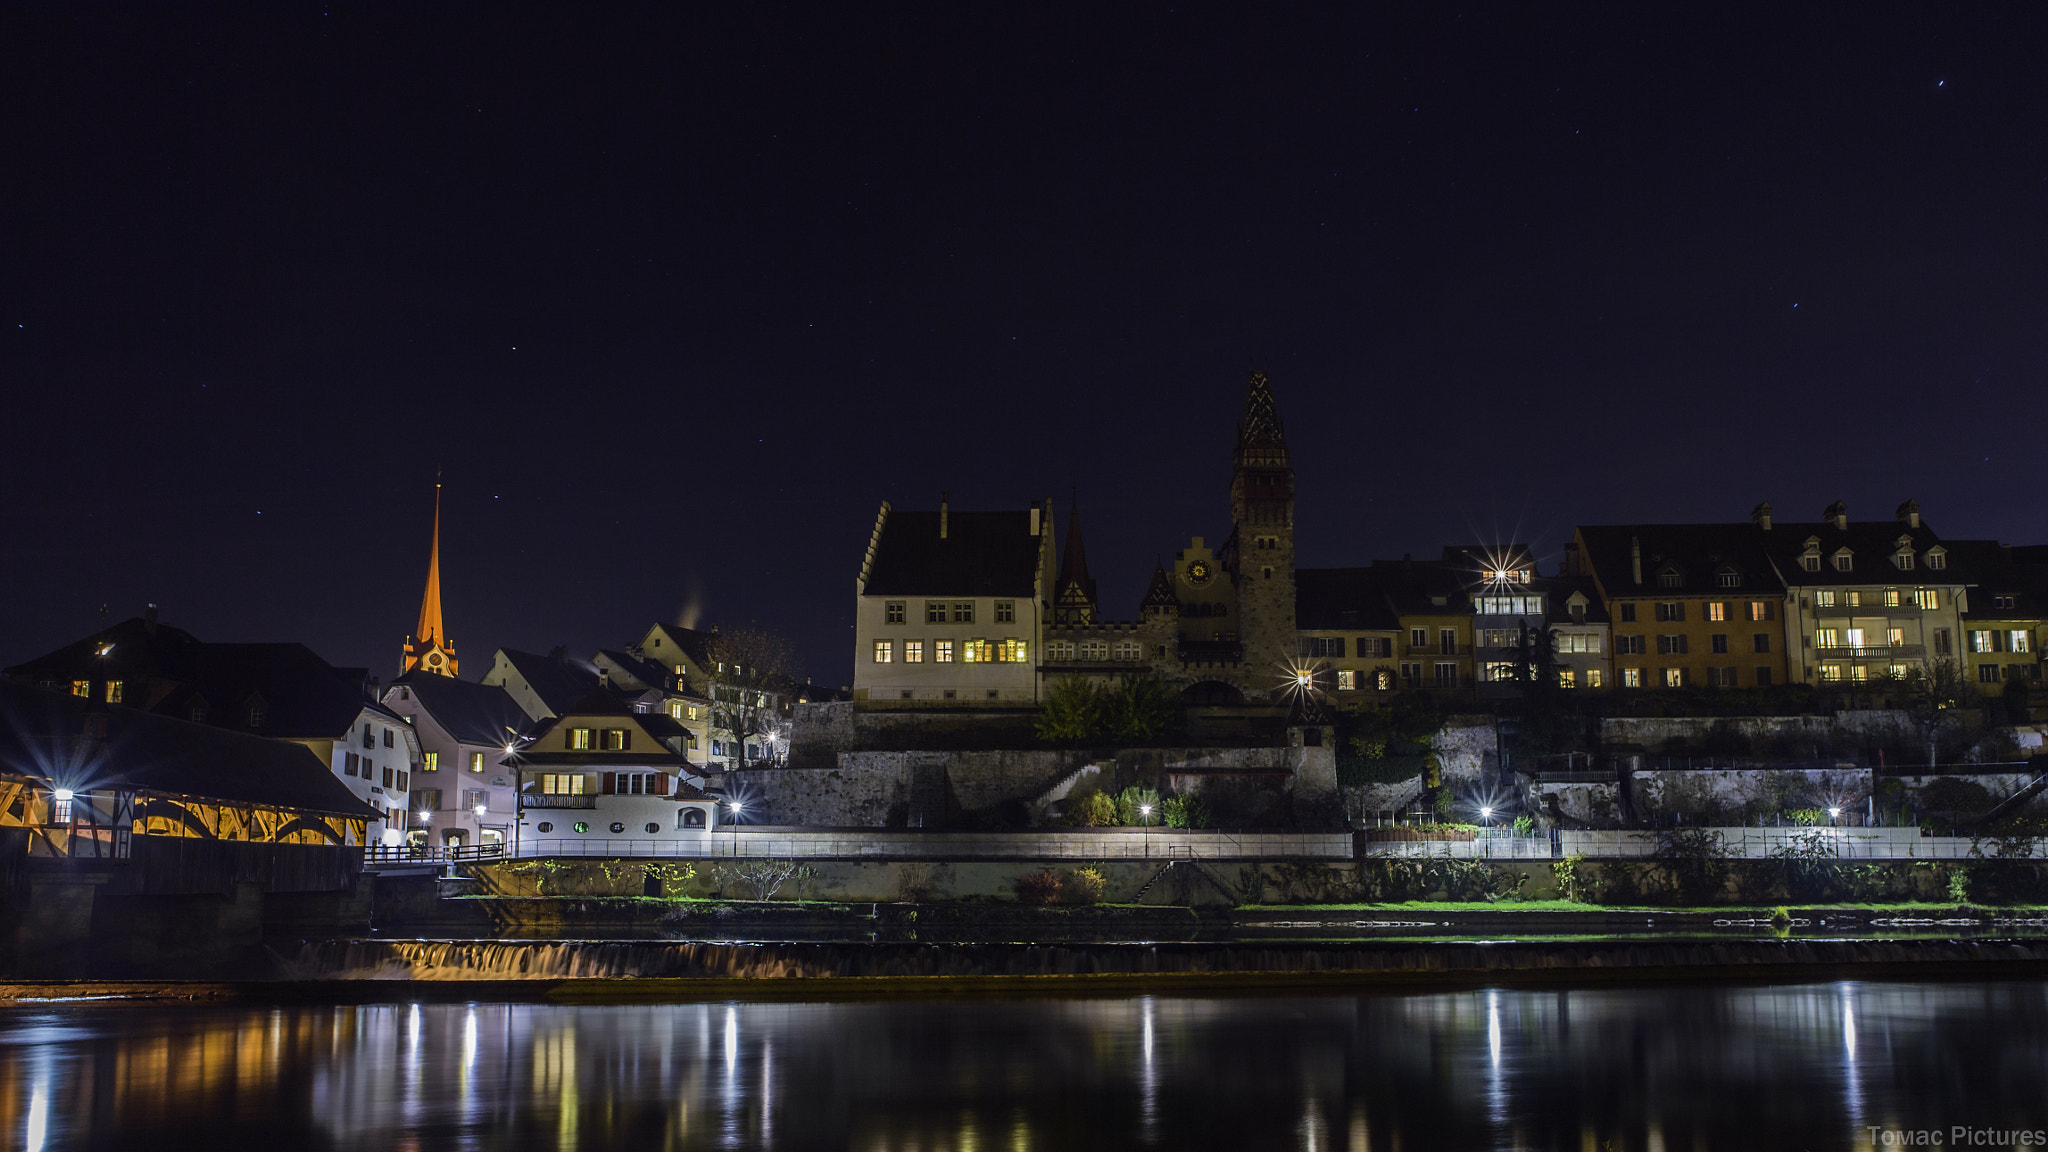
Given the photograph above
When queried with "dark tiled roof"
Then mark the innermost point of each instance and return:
(1557, 592)
(559, 681)
(1999, 573)
(40, 737)
(1413, 586)
(1697, 556)
(168, 671)
(1331, 599)
(1871, 543)
(642, 673)
(694, 642)
(982, 554)
(472, 713)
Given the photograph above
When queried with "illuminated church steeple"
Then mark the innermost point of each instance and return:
(428, 648)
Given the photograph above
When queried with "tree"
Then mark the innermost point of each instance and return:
(1938, 697)
(1141, 708)
(749, 667)
(2017, 709)
(1072, 711)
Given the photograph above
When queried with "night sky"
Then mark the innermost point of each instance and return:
(678, 295)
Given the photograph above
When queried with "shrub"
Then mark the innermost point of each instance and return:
(1082, 886)
(1095, 810)
(1137, 805)
(1808, 817)
(1572, 884)
(914, 883)
(1186, 812)
(1525, 825)
(1959, 886)
(1040, 888)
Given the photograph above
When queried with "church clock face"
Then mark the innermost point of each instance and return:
(434, 659)
(1198, 573)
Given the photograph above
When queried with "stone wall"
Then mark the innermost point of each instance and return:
(1468, 749)
(819, 732)
(1872, 726)
(1732, 796)
(1597, 803)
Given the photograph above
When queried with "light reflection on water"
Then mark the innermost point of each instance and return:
(1681, 1067)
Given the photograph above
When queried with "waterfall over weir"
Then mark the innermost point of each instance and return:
(614, 959)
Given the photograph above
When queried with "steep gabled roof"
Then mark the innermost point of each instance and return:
(558, 680)
(1161, 593)
(1681, 559)
(1332, 599)
(472, 713)
(41, 736)
(981, 554)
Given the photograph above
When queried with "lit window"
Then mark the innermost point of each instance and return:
(1674, 677)
(942, 651)
(562, 784)
(963, 611)
(1824, 598)
(1926, 598)
(1592, 678)
(1383, 680)
(1717, 611)
(1896, 671)
(1006, 611)
(1856, 598)
(1014, 651)
(675, 710)
(1891, 597)
(1499, 671)
(885, 651)
(579, 739)
(615, 740)
(1631, 677)
(81, 687)
(430, 762)
(1759, 610)
(935, 611)
(2018, 639)
(113, 691)
(476, 761)
(1858, 673)
(1578, 642)
(974, 652)
(1347, 680)
(1895, 637)
(1830, 673)
(1827, 638)
(1567, 678)
(913, 651)
(1980, 641)
(896, 611)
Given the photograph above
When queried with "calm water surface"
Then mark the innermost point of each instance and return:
(1656, 1068)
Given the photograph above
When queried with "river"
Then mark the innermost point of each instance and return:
(1684, 1066)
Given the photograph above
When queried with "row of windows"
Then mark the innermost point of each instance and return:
(1714, 611)
(976, 651)
(594, 739)
(943, 611)
(360, 767)
(1717, 677)
(1854, 637)
(1368, 647)
(1989, 674)
(1857, 673)
(370, 737)
(1678, 644)
(1845, 561)
(685, 818)
(431, 762)
(1508, 605)
(1060, 651)
(1924, 598)
(2014, 640)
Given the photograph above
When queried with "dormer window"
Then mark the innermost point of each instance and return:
(1728, 578)
(1670, 579)
(1810, 562)
(1903, 560)
(1844, 561)
(1937, 559)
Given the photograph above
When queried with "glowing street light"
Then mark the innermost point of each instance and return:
(63, 797)
(1486, 813)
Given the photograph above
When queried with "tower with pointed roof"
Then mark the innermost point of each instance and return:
(1074, 591)
(428, 648)
(1260, 553)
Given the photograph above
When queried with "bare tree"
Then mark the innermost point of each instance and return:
(749, 668)
(1938, 697)
(765, 877)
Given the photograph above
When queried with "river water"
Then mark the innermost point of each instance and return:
(1685, 1066)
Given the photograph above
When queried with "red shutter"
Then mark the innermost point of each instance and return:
(610, 783)
(661, 784)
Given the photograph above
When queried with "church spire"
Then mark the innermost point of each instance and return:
(428, 647)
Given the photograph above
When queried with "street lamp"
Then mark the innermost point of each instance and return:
(63, 797)
(1145, 814)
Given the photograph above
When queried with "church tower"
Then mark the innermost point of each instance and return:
(428, 649)
(1260, 554)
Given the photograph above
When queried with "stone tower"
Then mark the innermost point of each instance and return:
(428, 648)
(1260, 554)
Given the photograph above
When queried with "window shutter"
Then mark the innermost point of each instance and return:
(1340, 647)
(568, 738)
(611, 783)
(626, 740)
(1681, 643)
(661, 783)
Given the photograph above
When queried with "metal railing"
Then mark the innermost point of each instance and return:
(1872, 652)
(545, 800)
(431, 854)
(1162, 844)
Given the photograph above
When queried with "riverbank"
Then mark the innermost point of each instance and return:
(382, 971)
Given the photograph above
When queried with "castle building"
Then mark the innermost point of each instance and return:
(428, 648)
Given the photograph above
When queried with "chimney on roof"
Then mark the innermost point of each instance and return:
(1838, 515)
(1034, 519)
(1910, 513)
(149, 619)
(942, 513)
(604, 676)
(1635, 557)
(1761, 515)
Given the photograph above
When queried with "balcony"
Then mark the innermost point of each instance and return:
(1890, 654)
(532, 800)
(1436, 650)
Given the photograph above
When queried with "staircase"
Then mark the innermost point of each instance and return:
(2016, 800)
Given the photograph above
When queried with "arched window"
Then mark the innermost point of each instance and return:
(692, 818)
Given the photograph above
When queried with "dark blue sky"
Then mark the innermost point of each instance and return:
(677, 297)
